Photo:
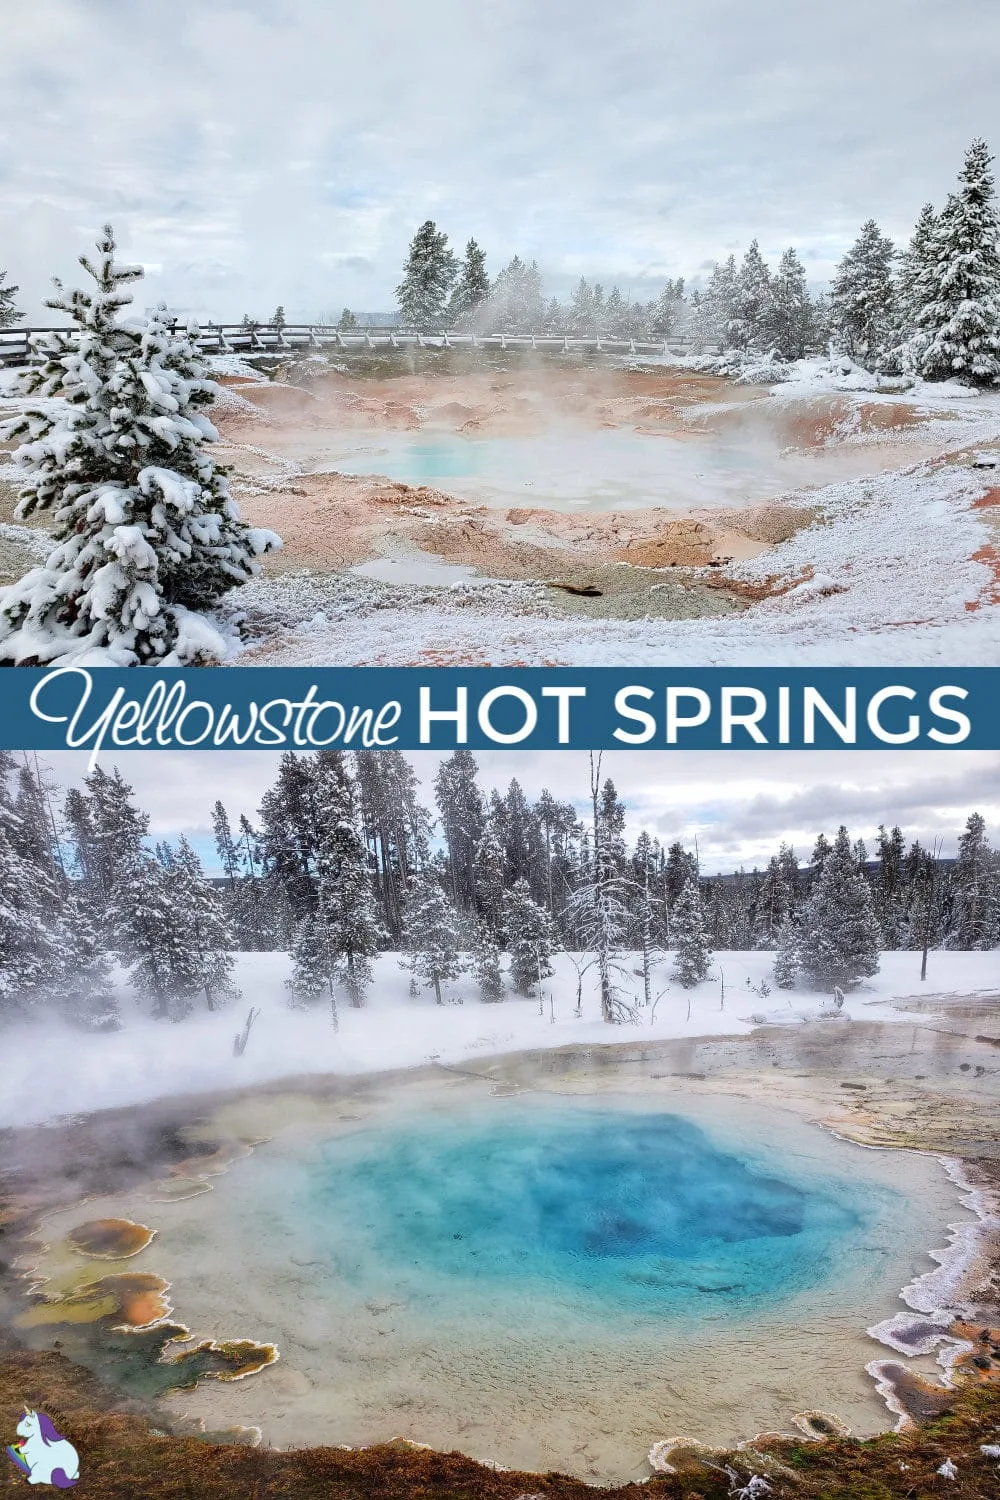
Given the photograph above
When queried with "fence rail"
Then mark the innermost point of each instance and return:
(233, 338)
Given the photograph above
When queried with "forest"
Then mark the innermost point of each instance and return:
(344, 860)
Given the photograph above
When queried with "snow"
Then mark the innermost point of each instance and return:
(895, 573)
(52, 1070)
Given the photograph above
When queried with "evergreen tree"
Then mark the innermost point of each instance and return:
(975, 915)
(582, 310)
(152, 935)
(751, 319)
(346, 321)
(85, 993)
(530, 939)
(786, 958)
(314, 963)
(693, 955)
(490, 875)
(472, 288)
(208, 962)
(346, 907)
(145, 526)
(958, 326)
(772, 905)
(667, 308)
(915, 283)
(8, 312)
(486, 964)
(31, 955)
(839, 941)
(278, 320)
(862, 297)
(428, 276)
(460, 804)
(431, 934)
(716, 308)
(790, 323)
(396, 830)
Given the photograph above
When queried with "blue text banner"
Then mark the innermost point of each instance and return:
(103, 710)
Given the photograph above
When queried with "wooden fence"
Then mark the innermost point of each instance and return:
(234, 338)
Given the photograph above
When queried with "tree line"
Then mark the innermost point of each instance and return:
(343, 861)
(931, 309)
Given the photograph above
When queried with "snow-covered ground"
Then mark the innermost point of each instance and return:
(900, 570)
(51, 1070)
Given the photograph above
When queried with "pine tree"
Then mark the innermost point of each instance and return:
(8, 312)
(915, 281)
(278, 320)
(975, 915)
(152, 935)
(839, 941)
(958, 326)
(431, 934)
(486, 964)
(862, 308)
(790, 322)
(145, 526)
(346, 901)
(460, 804)
(529, 941)
(667, 309)
(313, 963)
(428, 276)
(717, 306)
(490, 876)
(31, 956)
(582, 310)
(347, 321)
(693, 955)
(772, 905)
(750, 323)
(208, 963)
(472, 289)
(786, 958)
(86, 993)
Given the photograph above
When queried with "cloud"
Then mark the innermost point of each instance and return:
(239, 145)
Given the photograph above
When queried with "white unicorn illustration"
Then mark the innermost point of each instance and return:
(42, 1455)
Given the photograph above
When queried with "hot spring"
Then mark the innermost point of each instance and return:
(548, 1281)
(747, 462)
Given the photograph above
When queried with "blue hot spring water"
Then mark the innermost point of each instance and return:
(604, 1213)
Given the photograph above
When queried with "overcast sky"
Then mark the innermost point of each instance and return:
(251, 152)
(738, 804)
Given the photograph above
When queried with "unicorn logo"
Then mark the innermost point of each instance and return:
(41, 1454)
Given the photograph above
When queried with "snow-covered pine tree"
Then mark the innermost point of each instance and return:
(152, 936)
(915, 279)
(693, 956)
(346, 908)
(209, 965)
(750, 323)
(8, 312)
(790, 324)
(958, 327)
(667, 309)
(278, 320)
(643, 865)
(600, 906)
(839, 937)
(529, 939)
(431, 934)
(428, 276)
(716, 307)
(346, 321)
(460, 803)
(313, 963)
(148, 535)
(862, 310)
(773, 902)
(85, 992)
(31, 953)
(396, 829)
(472, 289)
(490, 876)
(786, 957)
(975, 884)
(486, 964)
(582, 310)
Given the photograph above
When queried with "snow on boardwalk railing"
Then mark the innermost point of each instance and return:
(221, 338)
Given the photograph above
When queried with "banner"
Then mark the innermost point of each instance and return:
(269, 708)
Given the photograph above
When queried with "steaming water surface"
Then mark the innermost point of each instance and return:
(551, 1282)
(588, 470)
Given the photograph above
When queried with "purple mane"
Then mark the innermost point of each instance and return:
(47, 1430)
